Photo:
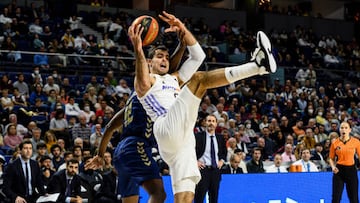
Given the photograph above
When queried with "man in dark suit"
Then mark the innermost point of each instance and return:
(22, 178)
(211, 154)
(67, 183)
(233, 167)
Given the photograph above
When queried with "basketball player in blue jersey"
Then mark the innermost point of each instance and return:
(133, 155)
(174, 110)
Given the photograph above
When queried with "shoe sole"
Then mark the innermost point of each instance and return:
(264, 43)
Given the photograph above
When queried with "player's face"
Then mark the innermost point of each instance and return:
(159, 64)
(345, 129)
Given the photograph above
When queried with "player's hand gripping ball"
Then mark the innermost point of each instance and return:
(151, 28)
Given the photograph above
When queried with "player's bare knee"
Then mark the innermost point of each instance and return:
(197, 83)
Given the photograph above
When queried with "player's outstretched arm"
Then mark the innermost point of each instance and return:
(175, 58)
(115, 123)
(142, 81)
(196, 54)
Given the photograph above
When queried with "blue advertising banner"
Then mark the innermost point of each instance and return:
(269, 188)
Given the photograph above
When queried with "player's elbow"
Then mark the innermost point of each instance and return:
(196, 53)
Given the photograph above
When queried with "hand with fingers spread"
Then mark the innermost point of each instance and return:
(175, 23)
(96, 163)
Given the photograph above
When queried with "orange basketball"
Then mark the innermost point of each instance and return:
(151, 28)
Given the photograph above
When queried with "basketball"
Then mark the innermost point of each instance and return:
(151, 28)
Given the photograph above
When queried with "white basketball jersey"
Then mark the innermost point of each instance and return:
(160, 96)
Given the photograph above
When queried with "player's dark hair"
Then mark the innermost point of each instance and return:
(152, 50)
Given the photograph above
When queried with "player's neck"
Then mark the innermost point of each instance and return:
(345, 138)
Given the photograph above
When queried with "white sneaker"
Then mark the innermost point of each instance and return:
(262, 55)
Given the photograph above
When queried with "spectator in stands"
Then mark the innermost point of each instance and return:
(231, 147)
(80, 40)
(122, 88)
(52, 98)
(4, 149)
(305, 163)
(6, 102)
(36, 138)
(311, 75)
(87, 112)
(255, 165)
(72, 109)
(30, 126)
(78, 150)
(82, 130)
(108, 45)
(93, 83)
(35, 27)
(37, 42)
(308, 139)
(12, 138)
(41, 150)
(51, 85)
(56, 160)
(46, 169)
(104, 107)
(288, 155)
(41, 59)
(318, 155)
(18, 100)
(37, 94)
(74, 21)
(276, 167)
(6, 83)
(62, 144)
(219, 111)
(50, 140)
(68, 42)
(33, 11)
(330, 60)
(9, 45)
(301, 76)
(233, 167)
(5, 16)
(240, 144)
(22, 85)
(21, 129)
(242, 163)
(59, 125)
(249, 135)
(92, 96)
(96, 136)
(108, 166)
(67, 156)
(298, 130)
(67, 183)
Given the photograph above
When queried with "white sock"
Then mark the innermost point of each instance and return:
(236, 73)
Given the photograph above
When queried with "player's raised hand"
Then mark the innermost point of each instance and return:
(95, 163)
(175, 23)
(134, 33)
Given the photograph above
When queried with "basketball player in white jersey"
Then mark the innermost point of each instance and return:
(174, 110)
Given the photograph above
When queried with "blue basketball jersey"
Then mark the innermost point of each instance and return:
(136, 122)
